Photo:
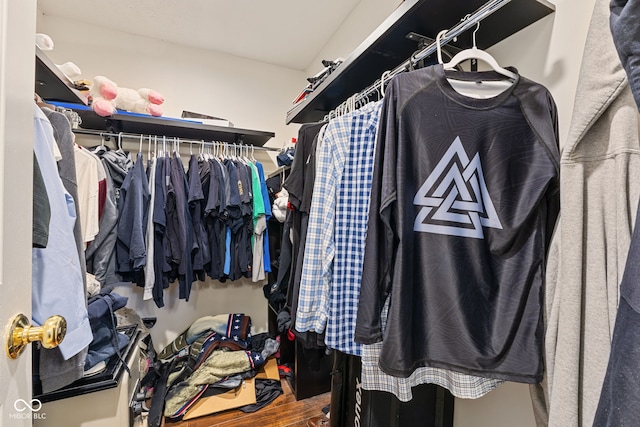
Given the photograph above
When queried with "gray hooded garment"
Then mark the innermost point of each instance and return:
(101, 253)
(599, 189)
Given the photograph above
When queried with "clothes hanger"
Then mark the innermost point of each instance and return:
(382, 78)
(473, 53)
(176, 147)
(351, 103)
(120, 142)
(221, 153)
(239, 155)
(245, 155)
(235, 153)
(201, 150)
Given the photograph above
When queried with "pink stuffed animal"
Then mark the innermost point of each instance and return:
(107, 97)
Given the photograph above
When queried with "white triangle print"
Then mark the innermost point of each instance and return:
(462, 199)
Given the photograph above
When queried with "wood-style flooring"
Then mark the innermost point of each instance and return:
(285, 411)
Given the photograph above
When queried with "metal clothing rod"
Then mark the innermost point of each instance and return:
(168, 139)
(466, 23)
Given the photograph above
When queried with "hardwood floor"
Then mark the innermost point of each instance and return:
(285, 411)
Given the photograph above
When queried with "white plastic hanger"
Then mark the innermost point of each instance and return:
(120, 142)
(176, 147)
(474, 53)
(382, 79)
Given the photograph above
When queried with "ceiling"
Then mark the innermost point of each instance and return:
(289, 33)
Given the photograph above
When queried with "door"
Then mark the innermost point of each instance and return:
(17, 73)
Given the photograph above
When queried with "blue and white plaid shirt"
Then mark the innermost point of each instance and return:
(347, 244)
(334, 239)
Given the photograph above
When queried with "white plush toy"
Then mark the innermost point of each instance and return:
(107, 96)
(69, 69)
(44, 42)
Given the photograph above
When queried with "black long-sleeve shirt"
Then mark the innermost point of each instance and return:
(463, 204)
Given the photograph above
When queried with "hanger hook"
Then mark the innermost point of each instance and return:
(382, 78)
(120, 141)
(140, 148)
(439, 45)
(474, 34)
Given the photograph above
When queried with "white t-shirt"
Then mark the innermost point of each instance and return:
(87, 179)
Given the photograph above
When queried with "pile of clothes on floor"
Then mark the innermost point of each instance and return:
(214, 355)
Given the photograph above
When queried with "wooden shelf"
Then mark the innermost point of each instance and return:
(387, 47)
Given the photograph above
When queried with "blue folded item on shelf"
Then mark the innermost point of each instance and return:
(286, 157)
(106, 341)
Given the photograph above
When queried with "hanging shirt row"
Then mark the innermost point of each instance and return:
(429, 225)
(165, 224)
(154, 224)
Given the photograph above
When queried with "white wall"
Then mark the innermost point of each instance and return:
(549, 52)
(251, 94)
(359, 24)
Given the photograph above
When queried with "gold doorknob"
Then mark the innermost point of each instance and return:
(22, 333)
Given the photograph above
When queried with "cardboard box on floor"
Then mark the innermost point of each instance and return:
(269, 371)
(243, 395)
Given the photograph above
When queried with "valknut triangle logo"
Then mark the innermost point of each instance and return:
(454, 198)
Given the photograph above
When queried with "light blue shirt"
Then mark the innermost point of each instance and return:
(317, 266)
(57, 279)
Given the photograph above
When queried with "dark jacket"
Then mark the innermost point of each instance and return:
(625, 29)
(133, 208)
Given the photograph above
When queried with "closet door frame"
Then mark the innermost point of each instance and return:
(17, 74)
